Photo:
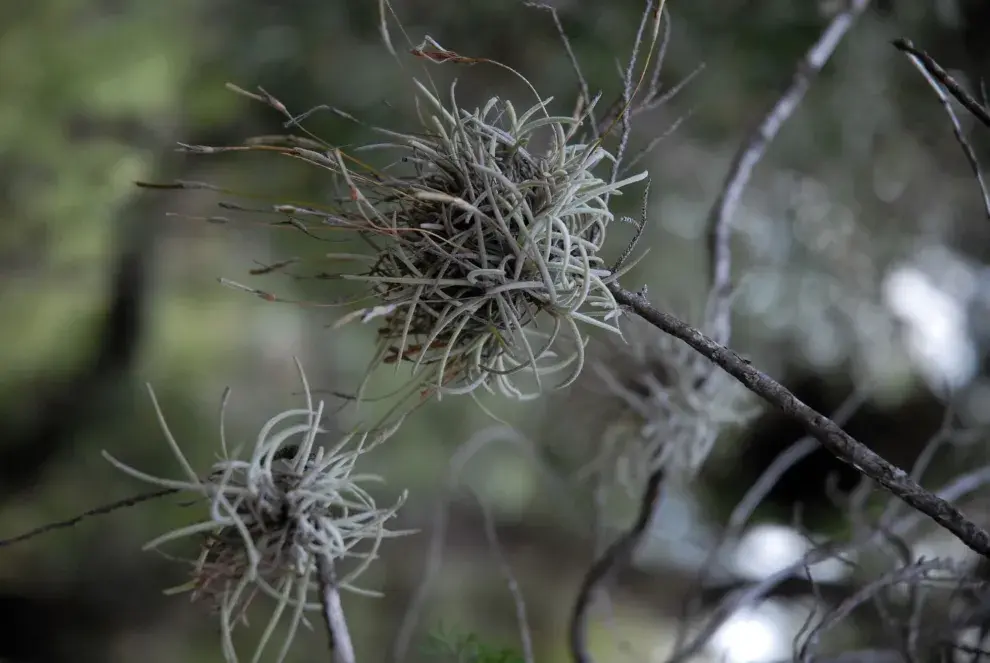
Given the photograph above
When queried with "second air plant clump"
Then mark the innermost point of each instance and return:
(275, 516)
(658, 405)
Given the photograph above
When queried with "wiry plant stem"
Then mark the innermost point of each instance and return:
(98, 511)
(978, 110)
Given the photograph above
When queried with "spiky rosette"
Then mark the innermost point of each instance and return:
(485, 234)
(274, 515)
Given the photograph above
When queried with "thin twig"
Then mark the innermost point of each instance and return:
(979, 111)
(787, 459)
(629, 88)
(341, 647)
(719, 221)
(585, 91)
(655, 96)
(98, 511)
(833, 438)
(940, 81)
(615, 557)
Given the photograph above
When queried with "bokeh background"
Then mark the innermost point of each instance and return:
(862, 251)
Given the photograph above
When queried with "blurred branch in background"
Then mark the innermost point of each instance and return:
(749, 155)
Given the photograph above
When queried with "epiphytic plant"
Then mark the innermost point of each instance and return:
(275, 515)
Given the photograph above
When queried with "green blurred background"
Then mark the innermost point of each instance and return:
(862, 248)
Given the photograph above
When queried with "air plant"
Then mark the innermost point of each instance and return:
(660, 405)
(485, 237)
(274, 514)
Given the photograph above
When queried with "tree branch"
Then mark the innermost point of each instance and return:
(749, 154)
(828, 433)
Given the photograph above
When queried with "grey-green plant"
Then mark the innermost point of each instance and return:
(485, 235)
(273, 513)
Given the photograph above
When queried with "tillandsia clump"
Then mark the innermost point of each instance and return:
(488, 234)
(486, 237)
(274, 515)
(660, 405)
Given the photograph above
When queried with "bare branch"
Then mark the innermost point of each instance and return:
(616, 556)
(940, 81)
(719, 221)
(833, 438)
(585, 91)
(787, 459)
(752, 593)
(864, 656)
(434, 561)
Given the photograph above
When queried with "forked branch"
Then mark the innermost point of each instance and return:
(944, 85)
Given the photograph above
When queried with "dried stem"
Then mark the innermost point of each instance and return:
(436, 549)
(720, 218)
(911, 573)
(755, 495)
(832, 437)
(615, 557)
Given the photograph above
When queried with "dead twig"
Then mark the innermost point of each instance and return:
(912, 574)
(510, 580)
(754, 496)
(752, 593)
(436, 549)
(98, 511)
